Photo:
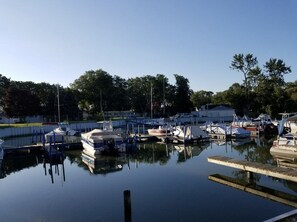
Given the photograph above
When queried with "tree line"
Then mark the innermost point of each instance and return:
(263, 90)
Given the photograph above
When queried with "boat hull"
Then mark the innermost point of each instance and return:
(99, 148)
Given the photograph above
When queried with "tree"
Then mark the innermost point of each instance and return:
(120, 93)
(200, 98)
(95, 91)
(17, 106)
(276, 69)
(4, 84)
(244, 64)
(139, 91)
(183, 94)
(247, 64)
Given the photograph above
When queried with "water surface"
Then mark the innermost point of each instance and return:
(166, 183)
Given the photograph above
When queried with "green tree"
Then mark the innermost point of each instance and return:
(17, 106)
(95, 91)
(120, 94)
(248, 65)
(200, 98)
(4, 84)
(139, 91)
(182, 102)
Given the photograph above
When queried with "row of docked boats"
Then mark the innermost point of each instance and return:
(107, 139)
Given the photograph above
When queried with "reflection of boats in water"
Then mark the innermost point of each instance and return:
(189, 151)
(98, 164)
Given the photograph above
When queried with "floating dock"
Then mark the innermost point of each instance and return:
(252, 167)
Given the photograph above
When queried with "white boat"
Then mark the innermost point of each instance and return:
(239, 132)
(64, 128)
(285, 145)
(228, 131)
(54, 137)
(103, 140)
(189, 133)
(160, 131)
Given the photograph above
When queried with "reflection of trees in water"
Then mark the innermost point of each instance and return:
(256, 150)
(16, 162)
(152, 153)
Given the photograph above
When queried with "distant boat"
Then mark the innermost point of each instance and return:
(54, 137)
(160, 131)
(103, 140)
(189, 133)
(64, 128)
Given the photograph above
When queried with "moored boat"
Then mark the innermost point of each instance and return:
(103, 140)
(190, 133)
(285, 145)
(160, 131)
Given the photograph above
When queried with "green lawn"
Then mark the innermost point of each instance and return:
(3, 125)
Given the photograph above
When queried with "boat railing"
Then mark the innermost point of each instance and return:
(288, 138)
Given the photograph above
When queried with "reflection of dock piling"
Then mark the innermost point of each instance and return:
(275, 195)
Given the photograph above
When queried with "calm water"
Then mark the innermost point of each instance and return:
(166, 182)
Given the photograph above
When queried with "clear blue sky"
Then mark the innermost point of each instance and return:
(57, 41)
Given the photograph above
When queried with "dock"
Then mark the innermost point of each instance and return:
(253, 167)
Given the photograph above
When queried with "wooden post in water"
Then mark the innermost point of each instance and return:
(127, 206)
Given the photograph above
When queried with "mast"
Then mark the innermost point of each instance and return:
(163, 96)
(58, 96)
(151, 100)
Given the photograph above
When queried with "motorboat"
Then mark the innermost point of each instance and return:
(189, 133)
(228, 131)
(160, 131)
(285, 145)
(103, 140)
(54, 137)
(65, 129)
(239, 133)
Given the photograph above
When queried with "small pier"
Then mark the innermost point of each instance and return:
(252, 167)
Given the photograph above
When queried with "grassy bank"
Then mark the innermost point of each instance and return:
(2, 126)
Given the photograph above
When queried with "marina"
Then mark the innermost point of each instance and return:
(158, 176)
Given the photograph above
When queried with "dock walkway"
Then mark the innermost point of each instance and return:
(252, 167)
